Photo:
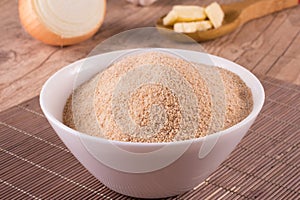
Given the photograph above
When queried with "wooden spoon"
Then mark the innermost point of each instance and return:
(237, 14)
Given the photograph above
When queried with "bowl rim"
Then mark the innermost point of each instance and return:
(253, 114)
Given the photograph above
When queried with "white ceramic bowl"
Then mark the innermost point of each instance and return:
(146, 170)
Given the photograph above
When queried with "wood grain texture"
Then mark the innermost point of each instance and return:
(268, 46)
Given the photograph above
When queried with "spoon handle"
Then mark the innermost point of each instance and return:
(252, 9)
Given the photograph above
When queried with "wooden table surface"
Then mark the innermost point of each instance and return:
(268, 46)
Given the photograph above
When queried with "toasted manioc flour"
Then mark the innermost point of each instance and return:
(157, 97)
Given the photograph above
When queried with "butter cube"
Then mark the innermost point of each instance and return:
(178, 27)
(189, 13)
(215, 14)
(185, 27)
(170, 19)
(191, 27)
(204, 25)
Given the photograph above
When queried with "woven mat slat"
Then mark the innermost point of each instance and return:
(35, 164)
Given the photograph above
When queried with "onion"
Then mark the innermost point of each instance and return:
(62, 22)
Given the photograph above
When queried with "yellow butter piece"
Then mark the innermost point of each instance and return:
(204, 25)
(178, 27)
(189, 13)
(215, 14)
(191, 27)
(170, 19)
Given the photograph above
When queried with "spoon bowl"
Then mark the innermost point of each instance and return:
(237, 14)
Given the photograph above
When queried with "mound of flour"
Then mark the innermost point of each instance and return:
(157, 97)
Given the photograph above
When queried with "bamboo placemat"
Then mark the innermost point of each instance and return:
(35, 164)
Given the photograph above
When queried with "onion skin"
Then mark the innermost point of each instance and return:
(33, 25)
